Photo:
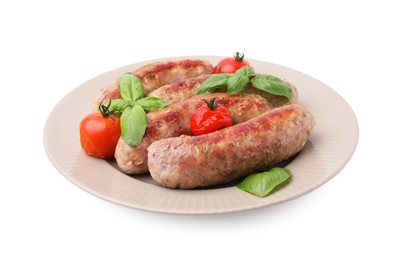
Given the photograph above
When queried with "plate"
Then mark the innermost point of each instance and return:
(328, 150)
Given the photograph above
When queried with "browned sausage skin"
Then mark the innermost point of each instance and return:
(174, 121)
(157, 74)
(222, 156)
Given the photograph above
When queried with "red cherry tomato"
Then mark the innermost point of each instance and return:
(99, 134)
(210, 117)
(231, 64)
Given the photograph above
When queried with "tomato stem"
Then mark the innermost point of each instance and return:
(105, 109)
(211, 104)
(238, 56)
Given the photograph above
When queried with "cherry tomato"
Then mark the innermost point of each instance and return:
(99, 134)
(210, 117)
(231, 64)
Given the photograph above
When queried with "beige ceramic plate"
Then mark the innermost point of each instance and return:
(328, 150)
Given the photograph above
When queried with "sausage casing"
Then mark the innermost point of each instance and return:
(222, 156)
(158, 74)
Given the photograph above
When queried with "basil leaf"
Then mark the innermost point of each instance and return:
(213, 83)
(262, 184)
(151, 103)
(272, 85)
(131, 88)
(246, 71)
(118, 105)
(236, 83)
(133, 122)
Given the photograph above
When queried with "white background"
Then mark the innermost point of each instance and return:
(359, 48)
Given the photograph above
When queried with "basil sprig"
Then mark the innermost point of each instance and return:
(262, 184)
(132, 106)
(237, 82)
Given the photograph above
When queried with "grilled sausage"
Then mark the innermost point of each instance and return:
(174, 121)
(158, 74)
(188, 162)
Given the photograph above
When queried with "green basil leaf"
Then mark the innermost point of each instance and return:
(272, 85)
(237, 83)
(151, 103)
(118, 105)
(133, 122)
(246, 71)
(262, 184)
(213, 83)
(131, 88)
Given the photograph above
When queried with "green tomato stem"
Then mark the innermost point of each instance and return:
(211, 104)
(105, 109)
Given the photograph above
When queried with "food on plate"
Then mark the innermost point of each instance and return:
(175, 120)
(212, 116)
(157, 74)
(263, 183)
(222, 156)
(231, 64)
(99, 133)
(191, 125)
